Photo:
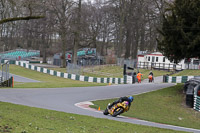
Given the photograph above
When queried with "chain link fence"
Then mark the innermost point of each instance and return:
(73, 69)
(91, 61)
(131, 63)
(4, 74)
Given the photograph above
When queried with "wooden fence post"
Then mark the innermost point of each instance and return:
(169, 67)
(159, 66)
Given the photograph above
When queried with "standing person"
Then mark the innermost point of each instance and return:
(139, 76)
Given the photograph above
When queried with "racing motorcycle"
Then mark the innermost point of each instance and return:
(150, 78)
(117, 109)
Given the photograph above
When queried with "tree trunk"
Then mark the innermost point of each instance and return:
(122, 16)
(142, 41)
(128, 43)
(44, 49)
(135, 44)
(75, 49)
(63, 39)
(77, 35)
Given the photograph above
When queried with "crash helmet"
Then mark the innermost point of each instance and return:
(130, 98)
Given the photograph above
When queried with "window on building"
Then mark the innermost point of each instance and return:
(153, 58)
(163, 59)
(196, 62)
(149, 58)
(156, 59)
(187, 61)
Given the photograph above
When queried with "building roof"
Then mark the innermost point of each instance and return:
(151, 54)
(156, 54)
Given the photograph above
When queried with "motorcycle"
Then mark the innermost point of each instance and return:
(117, 109)
(150, 78)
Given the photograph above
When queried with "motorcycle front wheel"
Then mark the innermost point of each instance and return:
(117, 112)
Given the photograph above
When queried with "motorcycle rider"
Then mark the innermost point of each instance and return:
(151, 73)
(122, 99)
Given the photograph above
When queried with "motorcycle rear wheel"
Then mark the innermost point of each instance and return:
(105, 112)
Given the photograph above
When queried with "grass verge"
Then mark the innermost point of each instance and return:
(47, 81)
(188, 73)
(23, 119)
(163, 106)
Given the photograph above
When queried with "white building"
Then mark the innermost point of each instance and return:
(158, 61)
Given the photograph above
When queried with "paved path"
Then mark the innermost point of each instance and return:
(18, 78)
(45, 65)
(64, 99)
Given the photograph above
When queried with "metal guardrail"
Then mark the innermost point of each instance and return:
(177, 79)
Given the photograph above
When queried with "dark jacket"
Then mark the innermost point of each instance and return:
(151, 73)
(122, 99)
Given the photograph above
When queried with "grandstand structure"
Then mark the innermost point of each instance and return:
(10, 57)
(85, 57)
(19, 54)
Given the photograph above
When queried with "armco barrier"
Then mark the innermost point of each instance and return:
(197, 103)
(125, 80)
(177, 79)
(10, 61)
(197, 98)
(14, 62)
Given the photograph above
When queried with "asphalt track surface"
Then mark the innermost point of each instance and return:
(66, 99)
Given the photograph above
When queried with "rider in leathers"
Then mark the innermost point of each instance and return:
(122, 99)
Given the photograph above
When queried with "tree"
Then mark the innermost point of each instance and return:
(181, 30)
(62, 11)
(11, 14)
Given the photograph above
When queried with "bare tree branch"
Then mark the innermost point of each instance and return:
(19, 18)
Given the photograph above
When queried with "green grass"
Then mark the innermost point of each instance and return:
(23, 119)
(188, 73)
(163, 106)
(64, 70)
(106, 71)
(117, 71)
(111, 71)
(98, 71)
(47, 81)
